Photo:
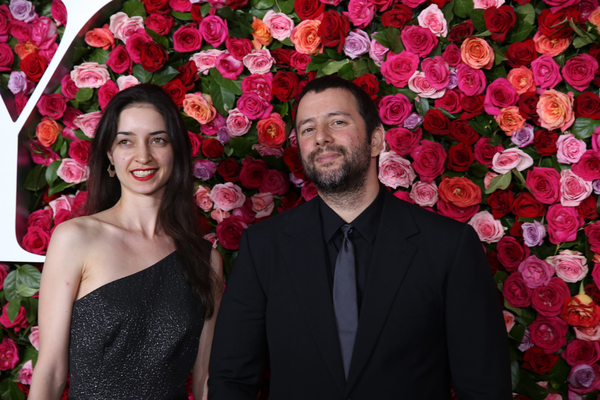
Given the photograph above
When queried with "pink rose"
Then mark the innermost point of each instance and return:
(25, 373)
(237, 123)
(34, 338)
(227, 196)
(509, 159)
(470, 81)
(556, 110)
(570, 149)
(212, 237)
(424, 194)
(417, 40)
(500, 94)
(377, 52)
(436, 71)
(402, 140)
(509, 320)
(544, 184)
(433, 19)
(43, 32)
(428, 160)
(515, 291)
(546, 72)
(123, 27)
(394, 109)
(573, 189)
(279, 23)
(135, 45)
(487, 179)
(259, 61)
(119, 60)
(483, 4)
(202, 198)
(590, 334)
(205, 60)
(399, 68)
(20, 321)
(64, 202)
(579, 71)
(253, 106)
(535, 272)
(360, 12)
(90, 75)
(548, 333)
(214, 30)
(262, 204)
(71, 171)
(186, 39)
(88, 123)
(9, 354)
(219, 215)
(394, 170)
(477, 53)
(563, 223)
(419, 84)
(488, 229)
(570, 265)
(228, 66)
(548, 300)
(124, 82)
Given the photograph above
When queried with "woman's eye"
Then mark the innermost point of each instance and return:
(159, 140)
(124, 141)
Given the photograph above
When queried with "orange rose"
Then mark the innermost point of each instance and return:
(545, 45)
(25, 49)
(459, 191)
(100, 37)
(521, 79)
(580, 311)
(262, 34)
(305, 38)
(271, 131)
(477, 53)
(594, 18)
(556, 110)
(47, 131)
(200, 107)
(510, 120)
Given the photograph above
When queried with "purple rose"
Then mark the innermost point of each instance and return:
(22, 10)
(524, 136)
(204, 169)
(357, 44)
(596, 187)
(533, 233)
(413, 121)
(546, 72)
(18, 83)
(223, 135)
(582, 376)
(525, 343)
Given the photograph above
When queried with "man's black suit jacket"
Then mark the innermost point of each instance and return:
(430, 314)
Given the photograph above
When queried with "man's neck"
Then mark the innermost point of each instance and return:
(350, 205)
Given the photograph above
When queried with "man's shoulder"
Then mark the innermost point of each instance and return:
(274, 225)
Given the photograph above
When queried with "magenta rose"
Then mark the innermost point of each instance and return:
(214, 30)
(275, 182)
(253, 106)
(119, 60)
(360, 12)
(228, 66)
(592, 232)
(548, 333)
(40, 218)
(52, 105)
(588, 166)
(511, 253)
(260, 84)
(548, 300)
(563, 223)
(36, 240)
(579, 71)
(515, 291)
(106, 93)
(546, 72)
(394, 109)
(20, 321)
(6, 57)
(402, 141)
(581, 352)
(470, 81)
(417, 40)
(229, 232)
(9, 354)
(544, 184)
(452, 55)
(428, 160)
(80, 151)
(238, 48)
(484, 153)
(398, 68)
(500, 94)
(437, 72)
(186, 39)
(535, 272)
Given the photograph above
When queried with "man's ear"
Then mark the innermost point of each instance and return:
(377, 141)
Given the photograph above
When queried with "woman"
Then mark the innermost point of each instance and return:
(129, 293)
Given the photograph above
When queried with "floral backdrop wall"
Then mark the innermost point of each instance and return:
(491, 110)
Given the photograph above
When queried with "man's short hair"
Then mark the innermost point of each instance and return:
(366, 107)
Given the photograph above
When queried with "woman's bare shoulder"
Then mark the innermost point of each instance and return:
(80, 231)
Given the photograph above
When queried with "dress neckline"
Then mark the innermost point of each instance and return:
(126, 277)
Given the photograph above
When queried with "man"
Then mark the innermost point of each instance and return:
(357, 294)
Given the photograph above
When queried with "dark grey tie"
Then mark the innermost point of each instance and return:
(344, 297)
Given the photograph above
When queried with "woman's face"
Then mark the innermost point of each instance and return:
(141, 152)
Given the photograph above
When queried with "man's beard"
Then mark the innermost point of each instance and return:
(348, 178)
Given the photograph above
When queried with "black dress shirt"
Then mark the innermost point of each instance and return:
(362, 237)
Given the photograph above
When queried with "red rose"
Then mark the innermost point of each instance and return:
(402, 141)
(580, 311)
(176, 90)
(511, 253)
(290, 200)
(106, 93)
(521, 53)
(587, 105)
(501, 202)
(536, 360)
(275, 182)
(436, 122)
(78, 203)
(299, 61)
(229, 232)
(462, 132)
(462, 214)
(41, 218)
(34, 66)
(397, 17)
(80, 151)
(282, 57)
(527, 206)
(548, 299)
(499, 21)
(549, 333)
(472, 106)
(285, 85)
(119, 60)
(333, 29)
(60, 217)
(308, 9)
(153, 56)
(230, 170)
(253, 173)
(515, 291)
(581, 352)
(587, 208)
(556, 25)
(593, 234)
(450, 101)
(36, 240)
(157, 6)
(236, 4)
(592, 291)
(460, 32)
(238, 48)
(368, 83)
(544, 184)
(291, 157)
(516, 230)
(545, 142)
(196, 142)
(159, 23)
(460, 157)
(188, 74)
(212, 148)
(197, 13)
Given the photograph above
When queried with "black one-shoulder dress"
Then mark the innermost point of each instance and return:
(136, 337)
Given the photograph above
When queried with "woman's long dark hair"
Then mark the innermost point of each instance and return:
(177, 209)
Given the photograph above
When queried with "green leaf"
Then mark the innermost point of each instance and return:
(165, 75)
(29, 276)
(477, 169)
(347, 72)
(262, 4)
(583, 128)
(448, 11)
(580, 42)
(158, 38)
(238, 26)
(36, 179)
(13, 309)
(422, 106)
(51, 171)
(84, 94)
(499, 182)
(361, 67)
(182, 16)
(286, 6)
(141, 74)
(519, 32)
(483, 34)
(390, 38)
(25, 291)
(495, 140)
(528, 12)
(80, 135)
(463, 7)
(133, 8)
(100, 56)
(59, 188)
(514, 373)
(10, 391)
(205, 9)
(498, 55)
(241, 146)
(517, 332)
(229, 84)
(79, 52)
(223, 99)
(497, 72)
(10, 285)
(333, 67)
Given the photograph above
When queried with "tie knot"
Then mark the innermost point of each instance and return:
(346, 229)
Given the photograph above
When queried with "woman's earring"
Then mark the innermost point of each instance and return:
(111, 170)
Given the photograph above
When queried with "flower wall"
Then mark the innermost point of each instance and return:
(491, 112)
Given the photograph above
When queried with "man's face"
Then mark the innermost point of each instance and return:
(333, 141)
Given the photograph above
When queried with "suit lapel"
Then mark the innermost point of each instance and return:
(306, 263)
(392, 256)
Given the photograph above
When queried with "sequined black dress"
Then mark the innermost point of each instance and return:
(136, 337)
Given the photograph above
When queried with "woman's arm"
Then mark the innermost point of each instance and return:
(200, 373)
(60, 280)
